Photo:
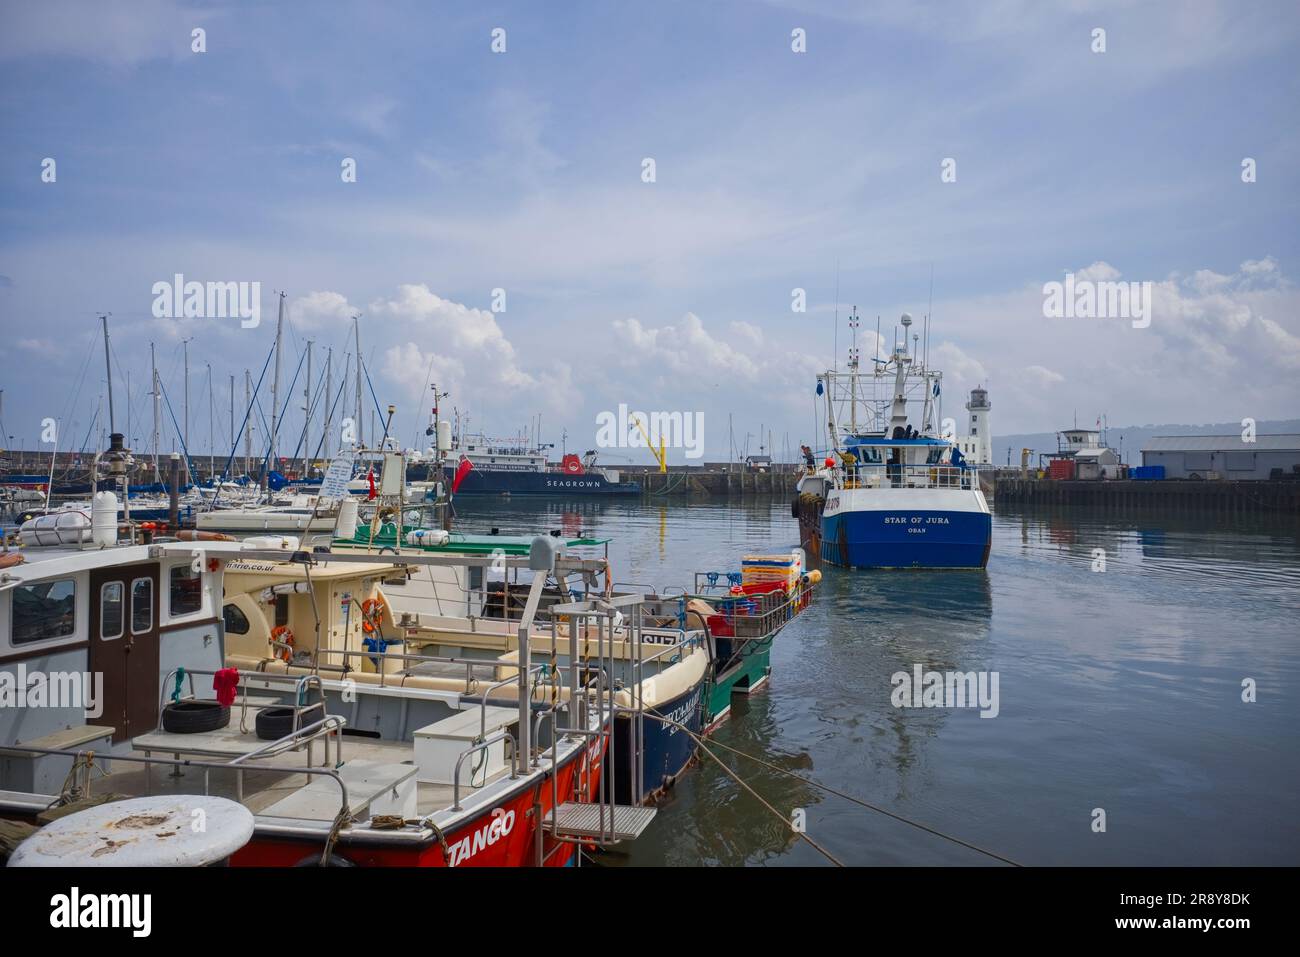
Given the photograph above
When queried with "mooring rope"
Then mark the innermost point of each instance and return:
(785, 820)
(827, 788)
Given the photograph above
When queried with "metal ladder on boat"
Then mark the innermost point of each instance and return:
(578, 818)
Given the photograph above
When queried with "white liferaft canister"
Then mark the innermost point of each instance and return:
(427, 536)
(103, 519)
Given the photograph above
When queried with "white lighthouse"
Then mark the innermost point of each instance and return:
(977, 444)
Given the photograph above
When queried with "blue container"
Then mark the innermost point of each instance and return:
(1147, 473)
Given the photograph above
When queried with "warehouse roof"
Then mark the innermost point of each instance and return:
(1222, 443)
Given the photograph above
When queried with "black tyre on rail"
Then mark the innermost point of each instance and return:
(276, 723)
(194, 717)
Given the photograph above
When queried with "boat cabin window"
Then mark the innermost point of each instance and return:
(186, 591)
(281, 610)
(44, 610)
(236, 620)
(141, 606)
(867, 454)
(110, 610)
(935, 455)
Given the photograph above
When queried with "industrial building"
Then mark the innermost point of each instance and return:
(1224, 456)
(1080, 455)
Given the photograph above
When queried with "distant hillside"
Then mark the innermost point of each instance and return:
(1129, 439)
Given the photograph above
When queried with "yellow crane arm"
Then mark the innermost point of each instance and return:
(660, 455)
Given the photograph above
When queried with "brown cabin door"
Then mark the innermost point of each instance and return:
(124, 646)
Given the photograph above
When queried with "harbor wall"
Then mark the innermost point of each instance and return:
(1188, 496)
(713, 483)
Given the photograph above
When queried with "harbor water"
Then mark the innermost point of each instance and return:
(1123, 647)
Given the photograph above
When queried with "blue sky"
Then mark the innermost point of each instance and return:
(522, 171)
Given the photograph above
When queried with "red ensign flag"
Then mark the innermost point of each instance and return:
(461, 471)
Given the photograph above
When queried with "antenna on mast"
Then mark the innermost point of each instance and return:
(835, 361)
(929, 309)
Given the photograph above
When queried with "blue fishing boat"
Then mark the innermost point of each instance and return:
(891, 494)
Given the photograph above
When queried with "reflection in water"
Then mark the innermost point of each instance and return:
(1118, 689)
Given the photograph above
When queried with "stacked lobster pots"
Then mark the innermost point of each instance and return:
(772, 589)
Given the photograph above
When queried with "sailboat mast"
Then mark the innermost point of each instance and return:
(275, 383)
(212, 430)
(248, 422)
(108, 366)
(329, 399)
(356, 421)
(306, 411)
(153, 374)
(185, 435)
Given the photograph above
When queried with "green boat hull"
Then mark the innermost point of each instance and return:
(740, 677)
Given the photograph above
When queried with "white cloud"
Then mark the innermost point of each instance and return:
(319, 310)
(464, 351)
(1098, 272)
(687, 347)
(1042, 376)
(1220, 346)
(41, 347)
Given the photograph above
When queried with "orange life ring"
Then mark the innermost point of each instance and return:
(282, 634)
(372, 611)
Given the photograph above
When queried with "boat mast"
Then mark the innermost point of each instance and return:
(185, 435)
(898, 414)
(275, 383)
(212, 429)
(854, 321)
(356, 421)
(108, 366)
(153, 367)
(248, 422)
(306, 410)
(329, 399)
(831, 427)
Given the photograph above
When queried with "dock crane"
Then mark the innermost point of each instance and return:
(660, 455)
